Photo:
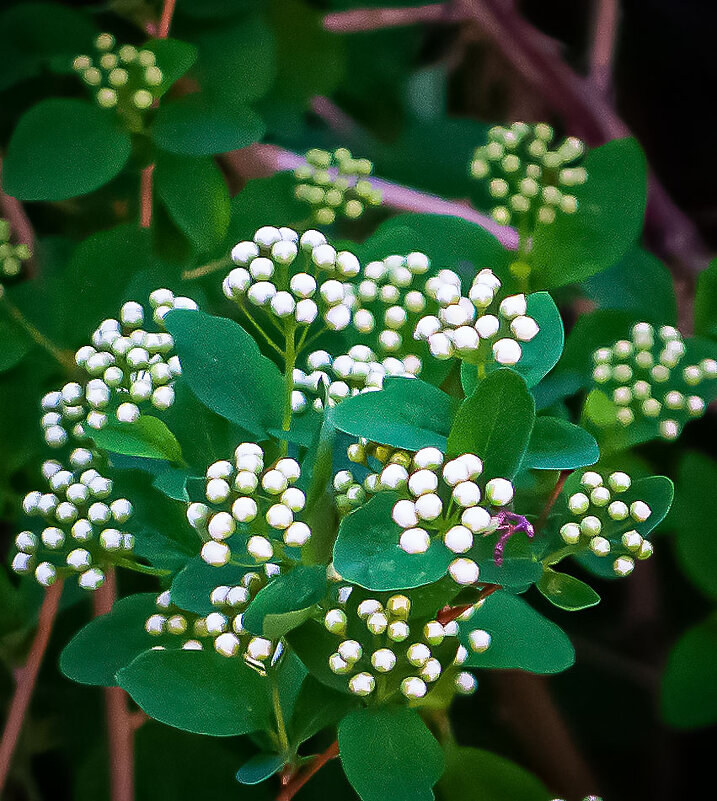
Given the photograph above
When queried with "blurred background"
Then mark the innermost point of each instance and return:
(417, 96)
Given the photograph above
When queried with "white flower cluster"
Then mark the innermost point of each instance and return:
(530, 177)
(442, 502)
(84, 528)
(466, 328)
(335, 183)
(11, 256)
(645, 378)
(260, 504)
(391, 648)
(343, 376)
(294, 279)
(127, 367)
(126, 78)
(605, 518)
(223, 627)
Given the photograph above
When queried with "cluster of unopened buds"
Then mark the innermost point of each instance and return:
(335, 183)
(530, 176)
(223, 627)
(646, 379)
(124, 77)
(441, 503)
(331, 380)
(605, 520)
(379, 643)
(260, 505)
(464, 326)
(128, 369)
(295, 279)
(84, 525)
(11, 256)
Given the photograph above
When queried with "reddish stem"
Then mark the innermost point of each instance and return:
(450, 613)
(121, 723)
(27, 677)
(557, 489)
(366, 19)
(298, 781)
(145, 196)
(20, 224)
(602, 53)
(165, 20)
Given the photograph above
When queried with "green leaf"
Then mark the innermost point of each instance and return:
(174, 58)
(521, 638)
(542, 353)
(192, 126)
(148, 437)
(192, 586)
(408, 413)
(259, 768)
(473, 774)
(367, 551)
(14, 345)
(495, 423)
(63, 148)
(317, 706)
(224, 368)
(639, 283)
(556, 444)
(705, 308)
(405, 759)
(199, 691)
(110, 642)
(611, 207)
(286, 602)
(567, 592)
(265, 201)
(694, 516)
(689, 685)
(196, 197)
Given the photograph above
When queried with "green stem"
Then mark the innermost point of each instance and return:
(279, 714)
(144, 569)
(259, 329)
(289, 364)
(206, 269)
(63, 358)
(559, 555)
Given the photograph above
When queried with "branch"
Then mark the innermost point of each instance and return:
(27, 677)
(121, 723)
(261, 160)
(300, 779)
(369, 19)
(557, 489)
(450, 613)
(602, 53)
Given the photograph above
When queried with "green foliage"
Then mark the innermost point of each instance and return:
(407, 761)
(556, 444)
(148, 438)
(63, 148)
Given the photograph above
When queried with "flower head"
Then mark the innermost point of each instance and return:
(11, 256)
(530, 176)
(335, 183)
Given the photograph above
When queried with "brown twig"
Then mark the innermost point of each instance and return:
(368, 19)
(300, 779)
(602, 53)
(146, 179)
(450, 613)
(13, 211)
(26, 678)
(557, 489)
(121, 723)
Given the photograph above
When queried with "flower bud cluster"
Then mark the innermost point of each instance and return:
(530, 176)
(128, 369)
(605, 513)
(646, 379)
(11, 256)
(122, 77)
(260, 505)
(334, 379)
(224, 627)
(83, 527)
(393, 295)
(443, 501)
(465, 327)
(294, 279)
(381, 646)
(335, 183)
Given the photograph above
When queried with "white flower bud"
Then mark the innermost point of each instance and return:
(415, 540)
(513, 306)
(458, 539)
(623, 565)
(476, 519)
(362, 684)
(259, 649)
(570, 533)
(590, 525)
(578, 503)
(413, 688)
(524, 328)
(221, 526)
(600, 546)
(499, 491)
(428, 458)
(479, 641)
(404, 514)
(260, 548)
(428, 507)
(463, 571)
(466, 493)
(507, 351)
(640, 511)
(45, 574)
